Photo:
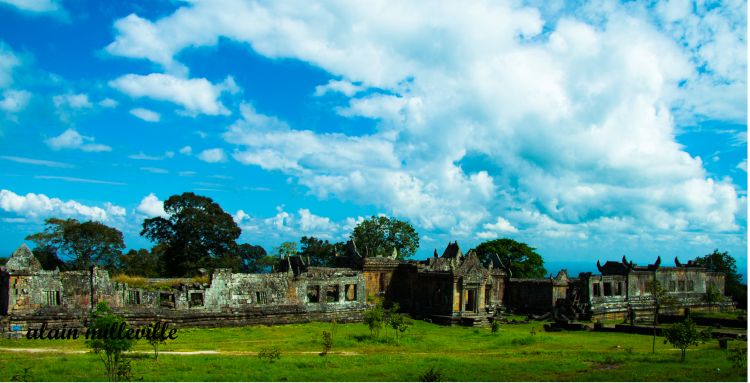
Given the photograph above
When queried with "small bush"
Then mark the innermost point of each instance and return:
(327, 343)
(525, 341)
(431, 375)
(22, 377)
(495, 326)
(270, 354)
(738, 357)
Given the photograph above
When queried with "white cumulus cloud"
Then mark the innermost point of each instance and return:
(146, 114)
(213, 155)
(196, 95)
(38, 206)
(151, 206)
(562, 125)
(71, 139)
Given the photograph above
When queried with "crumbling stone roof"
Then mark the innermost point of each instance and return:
(624, 267)
(23, 260)
(453, 251)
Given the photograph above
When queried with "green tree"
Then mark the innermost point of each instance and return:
(285, 250)
(712, 296)
(327, 338)
(140, 262)
(399, 323)
(522, 260)
(195, 233)
(109, 349)
(88, 243)
(662, 299)
(375, 318)
(685, 334)
(230, 260)
(251, 257)
(47, 256)
(724, 263)
(155, 342)
(380, 235)
(320, 252)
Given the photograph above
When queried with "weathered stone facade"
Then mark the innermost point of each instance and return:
(32, 295)
(452, 288)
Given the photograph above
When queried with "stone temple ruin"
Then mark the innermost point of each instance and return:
(453, 288)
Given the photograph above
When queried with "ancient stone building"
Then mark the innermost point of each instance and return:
(623, 289)
(30, 295)
(451, 289)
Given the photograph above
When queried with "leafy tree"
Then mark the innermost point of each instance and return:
(231, 261)
(495, 325)
(285, 250)
(47, 256)
(522, 260)
(327, 342)
(662, 298)
(196, 232)
(684, 334)
(88, 243)
(269, 354)
(109, 349)
(140, 263)
(251, 257)
(380, 235)
(375, 318)
(399, 323)
(3, 260)
(268, 263)
(712, 296)
(320, 252)
(724, 263)
(155, 342)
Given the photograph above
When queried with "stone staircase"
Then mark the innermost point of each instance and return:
(480, 321)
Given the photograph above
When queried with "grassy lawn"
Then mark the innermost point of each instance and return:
(459, 353)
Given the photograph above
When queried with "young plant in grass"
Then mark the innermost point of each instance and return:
(400, 323)
(109, 350)
(431, 375)
(495, 326)
(662, 299)
(685, 334)
(375, 318)
(269, 354)
(327, 342)
(155, 342)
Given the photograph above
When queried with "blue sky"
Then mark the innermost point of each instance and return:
(588, 130)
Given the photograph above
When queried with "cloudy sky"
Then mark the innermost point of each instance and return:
(588, 131)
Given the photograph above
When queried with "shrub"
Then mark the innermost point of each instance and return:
(738, 357)
(685, 334)
(525, 341)
(400, 323)
(375, 318)
(110, 350)
(327, 342)
(495, 326)
(431, 375)
(269, 354)
(23, 376)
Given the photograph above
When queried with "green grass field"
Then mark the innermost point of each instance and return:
(464, 354)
